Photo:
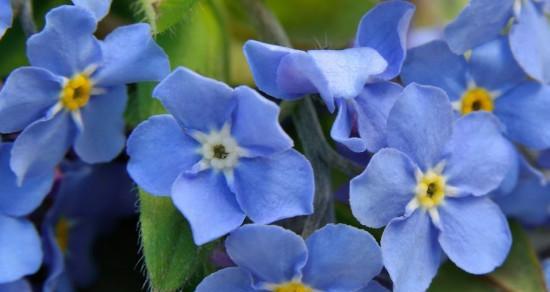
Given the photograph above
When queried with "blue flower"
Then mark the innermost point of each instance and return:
(429, 188)
(74, 94)
(221, 155)
(489, 81)
(484, 20)
(89, 201)
(355, 80)
(270, 258)
(99, 8)
(15, 203)
(6, 16)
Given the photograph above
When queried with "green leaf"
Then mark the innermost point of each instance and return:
(163, 14)
(171, 256)
(521, 272)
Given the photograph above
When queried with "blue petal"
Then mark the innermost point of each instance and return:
(208, 204)
(493, 66)
(42, 145)
(374, 286)
(341, 258)
(270, 253)
(20, 249)
(344, 129)
(26, 97)
(17, 286)
(20, 200)
(524, 112)
(130, 55)
(420, 124)
(256, 124)
(6, 16)
(276, 187)
(102, 136)
(54, 258)
(411, 252)
(479, 22)
(512, 175)
(469, 166)
(435, 64)
(474, 234)
(198, 103)
(544, 158)
(66, 46)
(100, 8)
(529, 38)
(229, 279)
(384, 28)
(384, 189)
(159, 151)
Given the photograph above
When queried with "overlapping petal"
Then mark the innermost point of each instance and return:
(6, 16)
(99, 8)
(229, 279)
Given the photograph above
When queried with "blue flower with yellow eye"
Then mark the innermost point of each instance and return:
(489, 80)
(88, 203)
(484, 20)
(221, 155)
(75, 92)
(270, 258)
(17, 201)
(6, 16)
(356, 80)
(428, 190)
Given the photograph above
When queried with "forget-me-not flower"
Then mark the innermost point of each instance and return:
(6, 16)
(221, 155)
(429, 188)
(75, 92)
(483, 20)
(355, 80)
(270, 258)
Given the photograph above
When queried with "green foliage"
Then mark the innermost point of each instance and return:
(163, 14)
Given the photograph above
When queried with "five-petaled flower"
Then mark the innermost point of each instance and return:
(428, 189)
(221, 155)
(270, 258)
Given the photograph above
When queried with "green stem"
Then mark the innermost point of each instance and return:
(25, 11)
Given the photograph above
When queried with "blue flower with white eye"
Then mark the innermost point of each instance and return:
(88, 203)
(270, 258)
(490, 80)
(99, 8)
(428, 190)
(16, 231)
(483, 20)
(355, 80)
(75, 92)
(6, 16)
(221, 155)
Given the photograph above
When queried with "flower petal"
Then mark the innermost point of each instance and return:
(159, 151)
(102, 136)
(42, 145)
(374, 286)
(479, 22)
(270, 253)
(131, 55)
(384, 189)
(66, 46)
(529, 38)
(16, 286)
(20, 200)
(478, 156)
(343, 131)
(6, 16)
(26, 97)
(17, 261)
(341, 258)
(197, 103)
(435, 64)
(474, 234)
(208, 204)
(100, 8)
(256, 124)
(229, 279)
(524, 112)
(384, 28)
(410, 251)
(276, 187)
(420, 124)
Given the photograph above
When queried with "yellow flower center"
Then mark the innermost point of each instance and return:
(430, 189)
(476, 99)
(76, 92)
(292, 287)
(62, 228)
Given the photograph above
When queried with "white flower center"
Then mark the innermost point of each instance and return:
(219, 149)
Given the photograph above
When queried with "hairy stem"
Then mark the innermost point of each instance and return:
(24, 7)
